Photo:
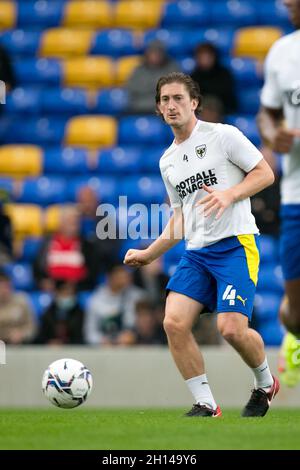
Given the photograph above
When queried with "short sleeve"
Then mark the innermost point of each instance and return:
(271, 96)
(239, 149)
(175, 200)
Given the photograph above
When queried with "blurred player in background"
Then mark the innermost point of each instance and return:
(279, 124)
(213, 167)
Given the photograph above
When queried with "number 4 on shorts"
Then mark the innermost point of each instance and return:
(229, 294)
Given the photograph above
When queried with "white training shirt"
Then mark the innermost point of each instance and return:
(219, 156)
(282, 90)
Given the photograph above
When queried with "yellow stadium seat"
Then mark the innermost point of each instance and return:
(255, 42)
(8, 14)
(125, 67)
(20, 161)
(91, 13)
(91, 131)
(90, 72)
(63, 42)
(138, 14)
(26, 220)
(52, 218)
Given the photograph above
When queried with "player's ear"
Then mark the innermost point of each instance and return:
(194, 104)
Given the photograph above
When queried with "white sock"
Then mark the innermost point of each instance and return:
(201, 391)
(263, 377)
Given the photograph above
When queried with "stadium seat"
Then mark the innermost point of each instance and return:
(24, 100)
(272, 12)
(66, 101)
(143, 130)
(38, 71)
(45, 14)
(21, 276)
(39, 131)
(91, 131)
(66, 161)
(21, 43)
(151, 157)
(7, 188)
(267, 306)
(43, 191)
(8, 14)
(143, 189)
(88, 72)
(270, 279)
(247, 125)
(107, 189)
(137, 14)
(30, 248)
(222, 38)
(112, 102)
(248, 100)
(175, 41)
(187, 64)
(269, 249)
(63, 42)
(124, 68)
(245, 72)
(84, 298)
(26, 220)
(40, 301)
(120, 160)
(20, 161)
(116, 43)
(51, 218)
(235, 13)
(90, 13)
(255, 41)
(186, 13)
(271, 332)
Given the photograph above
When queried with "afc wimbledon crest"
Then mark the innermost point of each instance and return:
(201, 150)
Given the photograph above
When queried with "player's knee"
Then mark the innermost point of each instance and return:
(231, 333)
(174, 327)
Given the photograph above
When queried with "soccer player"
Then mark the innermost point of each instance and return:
(210, 171)
(279, 124)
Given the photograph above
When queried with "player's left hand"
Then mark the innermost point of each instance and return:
(215, 201)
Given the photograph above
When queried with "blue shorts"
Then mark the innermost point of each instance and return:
(222, 276)
(290, 241)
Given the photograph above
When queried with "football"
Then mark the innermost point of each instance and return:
(67, 383)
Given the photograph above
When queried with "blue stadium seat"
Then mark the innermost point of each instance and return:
(248, 100)
(40, 301)
(66, 161)
(24, 100)
(114, 101)
(42, 131)
(30, 250)
(38, 71)
(151, 157)
(245, 72)
(188, 13)
(115, 43)
(270, 279)
(6, 184)
(269, 249)
(40, 14)
(234, 12)
(68, 101)
(84, 298)
(21, 43)
(143, 130)
(143, 190)
(106, 188)
(120, 160)
(21, 276)
(272, 333)
(267, 306)
(176, 41)
(187, 65)
(222, 38)
(43, 191)
(247, 125)
(270, 12)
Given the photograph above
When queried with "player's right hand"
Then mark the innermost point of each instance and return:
(284, 139)
(137, 258)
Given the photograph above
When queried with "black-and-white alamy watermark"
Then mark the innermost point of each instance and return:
(2, 92)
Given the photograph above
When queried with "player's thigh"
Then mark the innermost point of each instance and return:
(292, 289)
(181, 309)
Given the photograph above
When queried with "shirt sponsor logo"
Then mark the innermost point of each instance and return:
(195, 182)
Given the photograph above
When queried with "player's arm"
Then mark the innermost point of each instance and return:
(274, 134)
(171, 235)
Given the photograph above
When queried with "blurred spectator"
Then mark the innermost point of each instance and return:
(104, 251)
(213, 110)
(6, 237)
(6, 70)
(153, 280)
(66, 255)
(147, 330)
(17, 324)
(141, 85)
(62, 322)
(213, 78)
(111, 313)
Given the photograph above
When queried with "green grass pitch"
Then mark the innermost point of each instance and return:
(149, 429)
